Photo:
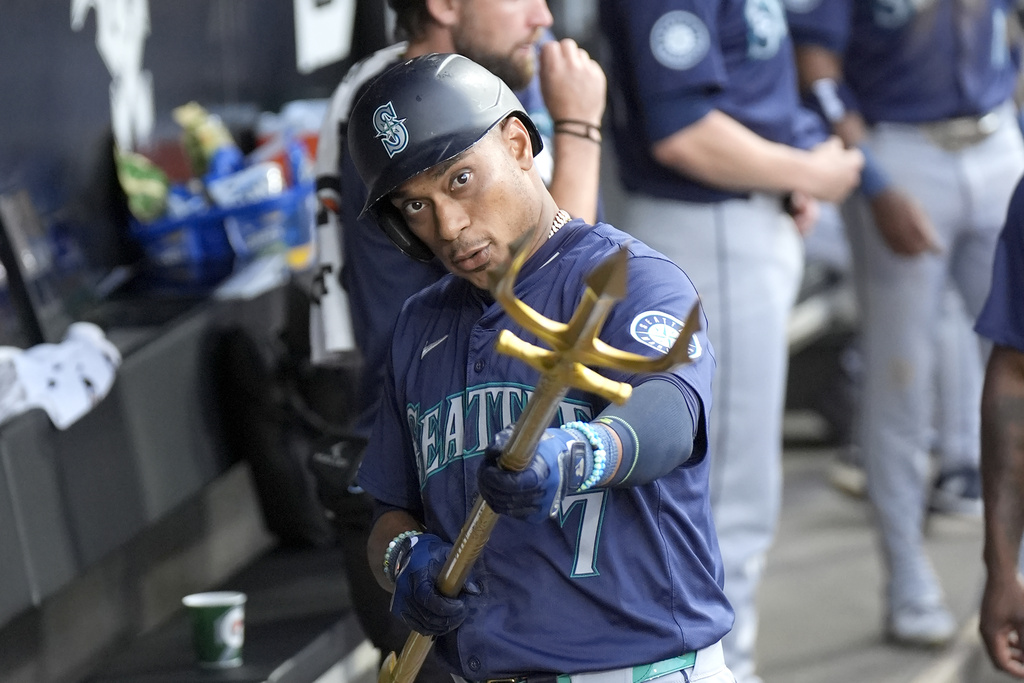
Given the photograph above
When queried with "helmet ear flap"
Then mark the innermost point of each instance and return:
(394, 226)
(535, 139)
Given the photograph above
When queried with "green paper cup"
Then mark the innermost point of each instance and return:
(218, 627)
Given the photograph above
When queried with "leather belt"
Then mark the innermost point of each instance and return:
(956, 134)
(641, 673)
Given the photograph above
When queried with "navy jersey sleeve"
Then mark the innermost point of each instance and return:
(673, 45)
(388, 471)
(1002, 318)
(825, 23)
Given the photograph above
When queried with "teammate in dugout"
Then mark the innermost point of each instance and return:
(1002, 450)
(925, 88)
(723, 171)
(624, 575)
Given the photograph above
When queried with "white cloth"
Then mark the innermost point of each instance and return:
(66, 379)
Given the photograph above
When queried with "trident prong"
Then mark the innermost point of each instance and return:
(574, 346)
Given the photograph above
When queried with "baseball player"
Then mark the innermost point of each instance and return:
(1002, 454)
(604, 558)
(925, 88)
(713, 148)
(557, 81)
(564, 85)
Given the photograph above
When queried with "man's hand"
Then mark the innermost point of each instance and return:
(416, 600)
(851, 129)
(837, 170)
(573, 85)
(904, 225)
(805, 211)
(558, 468)
(1002, 623)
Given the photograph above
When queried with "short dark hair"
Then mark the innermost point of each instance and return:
(411, 17)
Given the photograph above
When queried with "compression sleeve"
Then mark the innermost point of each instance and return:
(652, 445)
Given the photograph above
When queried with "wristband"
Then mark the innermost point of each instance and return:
(873, 180)
(580, 129)
(393, 551)
(629, 453)
(826, 93)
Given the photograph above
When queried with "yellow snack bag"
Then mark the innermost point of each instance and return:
(207, 141)
(144, 184)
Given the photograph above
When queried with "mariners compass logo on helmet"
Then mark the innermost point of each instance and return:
(390, 129)
(659, 330)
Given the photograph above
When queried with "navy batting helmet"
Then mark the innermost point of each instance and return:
(416, 115)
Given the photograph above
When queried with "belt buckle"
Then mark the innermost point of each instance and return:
(956, 134)
(514, 679)
(989, 123)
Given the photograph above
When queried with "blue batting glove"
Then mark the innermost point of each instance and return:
(416, 600)
(560, 465)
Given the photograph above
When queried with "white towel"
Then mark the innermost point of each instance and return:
(66, 379)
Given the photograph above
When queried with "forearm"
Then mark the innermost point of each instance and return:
(576, 175)
(1002, 461)
(385, 529)
(624, 446)
(816, 64)
(652, 434)
(719, 151)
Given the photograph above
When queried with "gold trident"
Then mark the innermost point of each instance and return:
(574, 345)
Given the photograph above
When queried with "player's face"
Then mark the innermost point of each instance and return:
(502, 35)
(470, 209)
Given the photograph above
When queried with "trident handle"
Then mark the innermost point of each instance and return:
(574, 345)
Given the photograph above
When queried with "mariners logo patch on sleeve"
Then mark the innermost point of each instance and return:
(660, 330)
(679, 40)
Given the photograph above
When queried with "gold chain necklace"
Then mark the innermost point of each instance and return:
(561, 218)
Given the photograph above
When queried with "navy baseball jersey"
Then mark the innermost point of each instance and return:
(913, 61)
(677, 60)
(377, 277)
(448, 392)
(1002, 318)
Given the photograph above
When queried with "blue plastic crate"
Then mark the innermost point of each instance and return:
(242, 232)
(189, 240)
(272, 225)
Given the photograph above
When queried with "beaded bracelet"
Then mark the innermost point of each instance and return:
(389, 552)
(600, 456)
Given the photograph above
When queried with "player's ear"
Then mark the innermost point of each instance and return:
(517, 139)
(444, 12)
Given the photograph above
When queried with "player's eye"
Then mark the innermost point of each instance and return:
(412, 207)
(460, 180)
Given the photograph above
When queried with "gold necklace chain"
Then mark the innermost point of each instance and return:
(561, 218)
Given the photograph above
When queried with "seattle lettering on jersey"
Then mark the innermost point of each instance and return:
(461, 425)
